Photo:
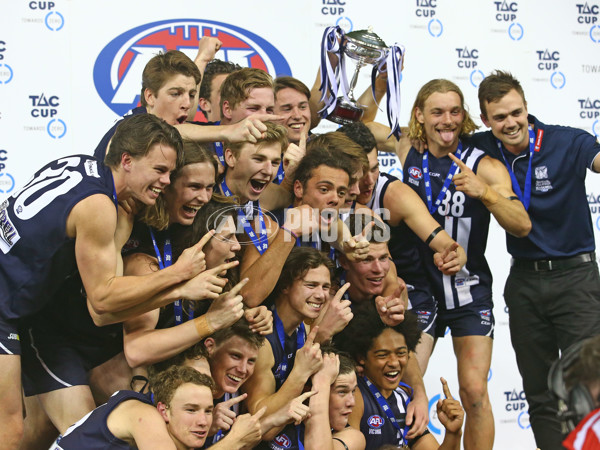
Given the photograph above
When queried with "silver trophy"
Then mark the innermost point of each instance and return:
(366, 48)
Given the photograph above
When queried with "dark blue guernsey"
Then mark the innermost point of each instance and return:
(559, 211)
(92, 433)
(465, 219)
(290, 438)
(375, 424)
(100, 151)
(37, 255)
(403, 243)
(284, 348)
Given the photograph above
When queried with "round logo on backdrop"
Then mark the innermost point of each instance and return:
(118, 68)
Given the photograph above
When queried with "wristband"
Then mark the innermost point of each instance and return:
(432, 235)
(203, 327)
(294, 235)
(489, 197)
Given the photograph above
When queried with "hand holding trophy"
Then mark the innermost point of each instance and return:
(366, 48)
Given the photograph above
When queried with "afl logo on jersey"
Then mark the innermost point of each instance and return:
(283, 441)
(375, 421)
(119, 66)
(415, 173)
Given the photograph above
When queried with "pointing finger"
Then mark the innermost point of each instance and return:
(234, 400)
(238, 287)
(224, 266)
(341, 291)
(306, 395)
(458, 162)
(260, 413)
(202, 242)
(445, 388)
(310, 339)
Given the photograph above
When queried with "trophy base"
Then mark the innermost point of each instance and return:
(345, 112)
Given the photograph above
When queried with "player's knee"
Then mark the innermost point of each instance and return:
(11, 432)
(474, 396)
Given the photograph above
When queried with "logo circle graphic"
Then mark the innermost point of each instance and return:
(489, 375)
(598, 223)
(596, 128)
(523, 420)
(396, 172)
(12, 183)
(432, 28)
(50, 20)
(433, 412)
(56, 131)
(476, 77)
(375, 421)
(558, 80)
(595, 33)
(7, 70)
(515, 31)
(118, 67)
(345, 24)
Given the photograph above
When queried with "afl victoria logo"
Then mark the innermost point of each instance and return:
(118, 68)
(415, 173)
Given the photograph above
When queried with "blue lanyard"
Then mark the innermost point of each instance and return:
(343, 282)
(526, 198)
(168, 260)
(430, 205)
(219, 148)
(386, 408)
(282, 369)
(280, 173)
(260, 242)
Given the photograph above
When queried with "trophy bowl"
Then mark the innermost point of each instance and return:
(366, 48)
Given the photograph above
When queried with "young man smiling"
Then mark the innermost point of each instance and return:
(407, 216)
(556, 261)
(461, 201)
(180, 420)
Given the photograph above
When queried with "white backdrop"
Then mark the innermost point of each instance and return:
(69, 68)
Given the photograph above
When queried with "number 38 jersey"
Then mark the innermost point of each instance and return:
(35, 253)
(465, 219)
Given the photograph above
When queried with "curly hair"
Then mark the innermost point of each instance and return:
(366, 326)
(165, 383)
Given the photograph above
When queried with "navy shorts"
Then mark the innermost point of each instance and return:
(422, 303)
(472, 319)
(52, 359)
(9, 337)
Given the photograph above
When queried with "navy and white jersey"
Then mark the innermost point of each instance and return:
(375, 424)
(290, 344)
(100, 151)
(37, 255)
(465, 219)
(561, 224)
(92, 433)
(403, 243)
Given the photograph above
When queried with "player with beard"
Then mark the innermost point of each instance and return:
(461, 187)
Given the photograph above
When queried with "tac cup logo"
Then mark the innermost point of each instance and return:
(118, 68)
